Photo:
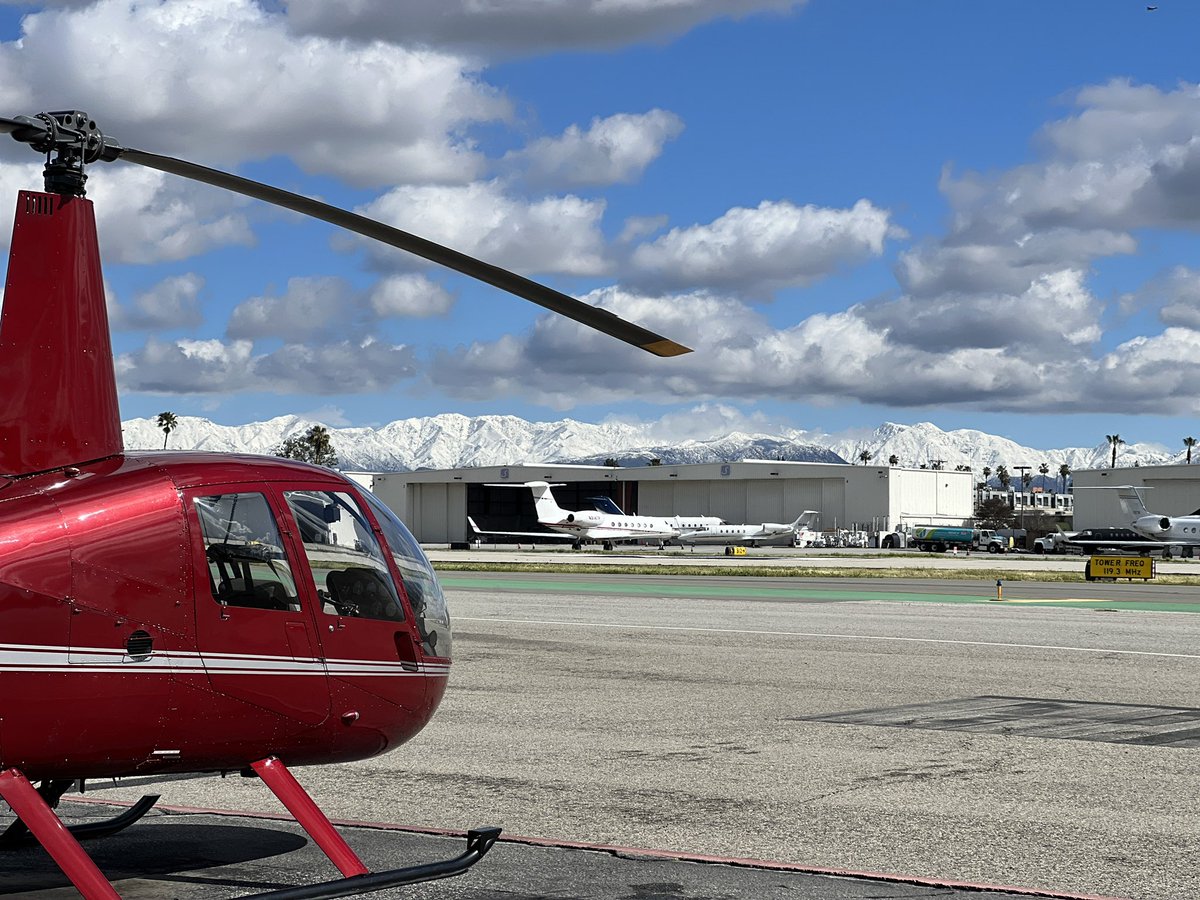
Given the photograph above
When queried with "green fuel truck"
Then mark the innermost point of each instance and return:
(940, 538)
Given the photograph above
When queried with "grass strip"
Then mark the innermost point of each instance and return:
(789, 572)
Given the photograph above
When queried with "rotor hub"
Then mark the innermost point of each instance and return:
(70, 139)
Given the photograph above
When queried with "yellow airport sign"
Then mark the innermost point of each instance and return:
(1120, 567)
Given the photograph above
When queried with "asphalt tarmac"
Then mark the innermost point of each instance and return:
(196, 855)
(1048, 741)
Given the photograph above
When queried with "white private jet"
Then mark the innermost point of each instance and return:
(1144, 531)
(591, 525)
(1174, 531)
(752, 534)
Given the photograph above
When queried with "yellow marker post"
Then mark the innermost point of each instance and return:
(999, 589)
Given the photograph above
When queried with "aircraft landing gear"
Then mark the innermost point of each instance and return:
(33, 810)
(18, 835)
(607, 545)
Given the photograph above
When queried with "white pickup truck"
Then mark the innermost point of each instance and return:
(1055, 542)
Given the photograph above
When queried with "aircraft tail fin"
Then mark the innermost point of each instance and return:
(806, 519)
(1131, 502)
(547, 507)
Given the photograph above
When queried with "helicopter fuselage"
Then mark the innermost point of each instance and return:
(145, 628)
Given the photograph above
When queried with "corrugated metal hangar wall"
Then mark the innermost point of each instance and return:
(747, 500)
(1167, 491)
(435, 505)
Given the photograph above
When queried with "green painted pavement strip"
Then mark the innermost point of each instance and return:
(798, 593)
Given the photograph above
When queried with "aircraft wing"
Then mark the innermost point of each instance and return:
(557, 535)
(614, 533)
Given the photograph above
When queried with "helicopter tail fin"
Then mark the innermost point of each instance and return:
(59, 403)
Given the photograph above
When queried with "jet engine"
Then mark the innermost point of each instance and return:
(587, 518)
(1153, 524)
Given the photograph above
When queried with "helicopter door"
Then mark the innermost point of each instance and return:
(254, 634)
(368, 640)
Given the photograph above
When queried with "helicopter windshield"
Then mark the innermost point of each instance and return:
(420, 583)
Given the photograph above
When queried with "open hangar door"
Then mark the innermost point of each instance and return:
(510, 508)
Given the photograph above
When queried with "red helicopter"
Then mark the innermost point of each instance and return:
(174, 612)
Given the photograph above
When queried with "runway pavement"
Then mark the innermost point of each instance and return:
(948, 737)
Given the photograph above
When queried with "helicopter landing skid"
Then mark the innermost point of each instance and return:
(38, 822)
(479, 842)
(17, 834)
(357, 878)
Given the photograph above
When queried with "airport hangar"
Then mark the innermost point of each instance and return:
(435, 504)
(1172, 490)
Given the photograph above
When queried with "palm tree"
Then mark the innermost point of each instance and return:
(1063, 471)
(893, 460)
(1114, 441)
(1003, 477)
(1189, 442)
(1044, 470)
(168, 423)
(864, 456)
(987, 473)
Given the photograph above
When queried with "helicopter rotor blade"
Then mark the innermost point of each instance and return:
(29, 129)
(600, 319)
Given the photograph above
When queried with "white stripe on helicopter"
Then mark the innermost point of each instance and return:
(39, 658)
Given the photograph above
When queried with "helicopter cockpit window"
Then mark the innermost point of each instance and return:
(421, 585)
(346, 560)
(246, 562)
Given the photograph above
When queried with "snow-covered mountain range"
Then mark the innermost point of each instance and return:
(452, 441)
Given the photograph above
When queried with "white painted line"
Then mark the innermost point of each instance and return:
(820, 634)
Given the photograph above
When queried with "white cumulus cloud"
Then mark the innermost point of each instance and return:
(224, 81)
(484, 220)
(518, 26)
(613, 150)
(774, 245)
(172, 303)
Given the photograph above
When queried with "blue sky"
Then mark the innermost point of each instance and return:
(977, 214)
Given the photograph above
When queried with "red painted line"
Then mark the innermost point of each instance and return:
(642, 852)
